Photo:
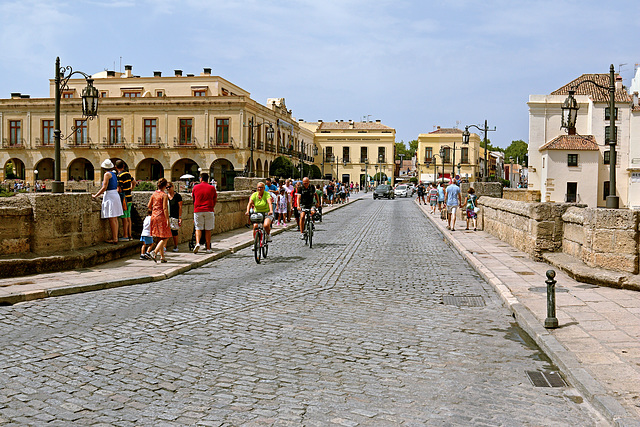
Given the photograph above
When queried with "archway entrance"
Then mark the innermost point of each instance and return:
(182, 167)
(259, 170)
(149, 170)
(80, 169)
(223, 172)
(14, 169)
(45, 168)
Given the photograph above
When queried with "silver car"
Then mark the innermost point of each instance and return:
(402, 191)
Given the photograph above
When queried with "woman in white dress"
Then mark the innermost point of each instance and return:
(111, 202)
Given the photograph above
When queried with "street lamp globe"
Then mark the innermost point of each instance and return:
(570, 113)
(270, 133)
(90, 97)
(466, 135)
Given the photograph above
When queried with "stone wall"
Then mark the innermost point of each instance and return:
(242, 183)
(521, 194)
(603, 238)
(491, 189)
(46, 223)
(530, 227)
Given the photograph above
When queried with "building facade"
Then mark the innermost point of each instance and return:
(159, 126)
(352, 151)
(575, 168)
(459, 159)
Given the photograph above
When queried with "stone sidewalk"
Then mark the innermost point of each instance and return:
(597, 345)
(132, 270)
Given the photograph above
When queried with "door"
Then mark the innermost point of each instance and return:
(572, 192)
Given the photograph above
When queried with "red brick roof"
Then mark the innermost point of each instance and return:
(356, 126)
(571, 142)
(447, 131)
(596, 93)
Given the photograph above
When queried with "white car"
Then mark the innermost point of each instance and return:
(402, 191)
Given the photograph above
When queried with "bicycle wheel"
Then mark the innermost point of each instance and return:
(310, 233)
(265, 247)
(256, 246)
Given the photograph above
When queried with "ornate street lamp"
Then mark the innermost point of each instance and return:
(366, 177)
(90, 97)
(269, 133)
(465, 139)
(442, 158)
(570, 114)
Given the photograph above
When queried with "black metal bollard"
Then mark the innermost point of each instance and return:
(551, 321)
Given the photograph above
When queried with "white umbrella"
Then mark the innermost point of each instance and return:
(187, 176)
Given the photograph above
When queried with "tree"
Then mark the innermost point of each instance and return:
(490, 147)
(283, 167)
(518, 150)
(401, 148)
(315, 172)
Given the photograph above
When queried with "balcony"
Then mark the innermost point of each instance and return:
(113, 143)
(271, 147)
(80, 143)
(44, 144)
(185, 143)
(149, 143)
(222, 143)
(13, 143)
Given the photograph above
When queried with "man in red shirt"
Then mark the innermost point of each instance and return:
(204, 200)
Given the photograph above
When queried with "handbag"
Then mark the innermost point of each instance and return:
(174, 224)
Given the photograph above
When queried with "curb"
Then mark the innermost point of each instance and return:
(608, 406)
(14, 298)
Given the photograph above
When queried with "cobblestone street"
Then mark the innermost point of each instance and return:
(355, 331)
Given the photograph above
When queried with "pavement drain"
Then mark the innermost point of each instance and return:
(463, 301)
(587, 286)
(525, 273)
(543, 289)
(517, 256)
(545, 379)
(24, 282)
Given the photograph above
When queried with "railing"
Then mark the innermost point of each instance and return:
(191, 143)
(49, 143)
(572, 198)
(113, 143)
(260, 145)
(80, 143)
(213, 143)
(149, 143)
(13, 143)
(428, 159)
(363, 159)
(271, 147)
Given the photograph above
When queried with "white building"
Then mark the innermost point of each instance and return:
(576, 167)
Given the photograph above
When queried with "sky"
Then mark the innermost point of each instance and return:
(412, 64)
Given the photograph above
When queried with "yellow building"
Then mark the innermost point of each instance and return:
(350, 150)
(159, 126)
(459, 159)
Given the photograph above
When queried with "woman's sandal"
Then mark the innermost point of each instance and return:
(154, 257)
(163, 260)
(111, 242)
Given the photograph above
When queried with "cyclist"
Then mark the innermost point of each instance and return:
(260, 201)
(307, 198)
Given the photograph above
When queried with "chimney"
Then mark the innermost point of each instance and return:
(178, 73)
(127, 71)
(207, 72)
(301, 120)
(111, 73)
(157, 74)
(190, 75)
(16, 95)
(635, 99)
(618, 82)
(24, 96)
(319, 121)
(378, 121)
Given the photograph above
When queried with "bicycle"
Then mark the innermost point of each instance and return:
(309, 226)
(260, 243)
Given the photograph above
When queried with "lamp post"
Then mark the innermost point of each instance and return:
(442, 158)
(301, 159)
(252, 125)
(366, 177)
(35, 181)
(511, 172)
(465, 139)
(90, 97)
(401, 160)
(569, 115)
(375, 177)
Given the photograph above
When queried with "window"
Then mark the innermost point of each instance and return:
(15, 132)
(150, 131)
(47, 132)
(159, 93)
(606, 113)
(115, 131)
(363, 154)
(464, 155)
(607, 157)
(606, 134)
(329, 155)
(200, 92)
(81, 132)
(103, 94)
(447, 154)
(605, 190)
(572, 160)
(428, 154)
(131, 94)
(381, 155)
(345, 154)
(67, 94)
(222, 131)
(186, 125)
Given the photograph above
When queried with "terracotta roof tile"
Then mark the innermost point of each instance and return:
(446, 131)
(571, 142)
(356, 126)
(596, 93)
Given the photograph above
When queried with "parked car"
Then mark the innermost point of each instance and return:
(402, 190)
(384, 190)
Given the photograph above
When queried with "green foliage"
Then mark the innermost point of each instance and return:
(380, 177)
(315, 172)
(490, 147)
(413, 179)
(282, 167)
(8, 171)
(5, 193)
(518, 150)
(145, 186)
(401, 148)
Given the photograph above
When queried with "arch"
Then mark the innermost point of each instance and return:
(45, 168)
(115, 159)
(149, 169)
(223, 172)
(265, 169)
(182, 167)
(247, 167)
(80, 169)
(259, 171)
(14, 169)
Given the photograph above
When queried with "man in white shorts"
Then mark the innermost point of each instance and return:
(454, 200)
(204, 201)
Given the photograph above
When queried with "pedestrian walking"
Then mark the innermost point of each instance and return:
(470, 203)
(175, 214)
(205, 197)
(433, 197)
(421, 191)
(111, 203)
(281, 206)
(454, 201)
(145, 237)
(159, 205)
(127, 183)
